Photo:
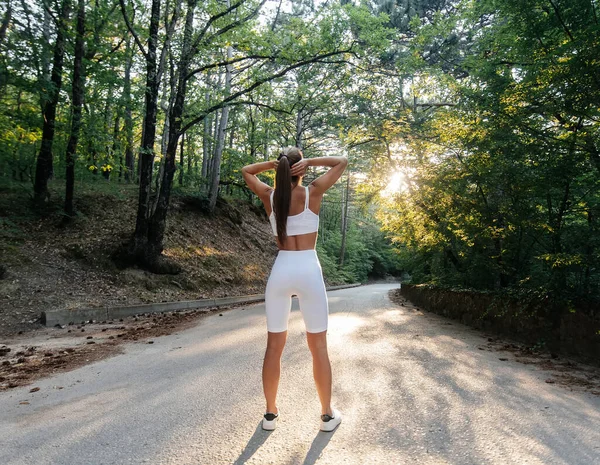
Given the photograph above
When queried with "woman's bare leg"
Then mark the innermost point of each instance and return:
(272, 368)
(317, 343)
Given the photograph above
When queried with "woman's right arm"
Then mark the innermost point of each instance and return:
(337, 166)
(249, 173)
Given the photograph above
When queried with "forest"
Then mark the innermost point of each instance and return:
(472, 128)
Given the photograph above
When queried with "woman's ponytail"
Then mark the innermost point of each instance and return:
(282, 196)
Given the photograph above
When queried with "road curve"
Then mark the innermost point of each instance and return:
(412, 390)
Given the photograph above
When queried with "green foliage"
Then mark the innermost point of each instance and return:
(333, 275)
(503, 182)
(484, 113)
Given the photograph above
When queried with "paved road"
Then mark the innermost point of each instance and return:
(412, 390)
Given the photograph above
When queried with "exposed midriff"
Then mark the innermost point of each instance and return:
(300, 242)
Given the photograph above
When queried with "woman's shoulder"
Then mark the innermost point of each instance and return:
(312, 189)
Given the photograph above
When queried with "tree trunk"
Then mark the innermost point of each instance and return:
(589, 250)
(299, 129)
(3, 28)
(216, 165)
(345, 221)
(206, 133)
(116, 151)
(215, 172)
(205, 147)
(44, 59)
(137, 250)
(5, 22)
(108, 118)
(44, 167)
(231, 140)
(213, 142)
(166, 105)
(158, 220)
(77, 102)
(252, 134)
(191, 150)
(129, 160)
(267, 127)
(181, 164)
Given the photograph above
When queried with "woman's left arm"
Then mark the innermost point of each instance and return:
(249, 173)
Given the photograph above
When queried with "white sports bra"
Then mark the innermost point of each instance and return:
(302, 223)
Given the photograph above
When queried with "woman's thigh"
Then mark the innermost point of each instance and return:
(313, 302)
(278, 302)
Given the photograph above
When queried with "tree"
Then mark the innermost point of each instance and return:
(44, 165)
(77, 103)
(146, 246)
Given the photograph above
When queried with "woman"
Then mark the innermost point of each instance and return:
(294, 214)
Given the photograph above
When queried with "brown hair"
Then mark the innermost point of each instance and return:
(283, 188)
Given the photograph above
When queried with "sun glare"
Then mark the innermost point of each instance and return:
(395, 185)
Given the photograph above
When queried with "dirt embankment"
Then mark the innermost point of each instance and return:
(48, 266)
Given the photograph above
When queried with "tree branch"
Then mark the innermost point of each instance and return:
(276, 16)
(212, 19)
(169, 33)
(357, 144)
(131, 30)
(225, 63)
(561, 20)
(258, 83)
(260, 105)
(105, 20)
(235, 23)
(45, 7)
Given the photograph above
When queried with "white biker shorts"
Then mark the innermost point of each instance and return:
(296, 272)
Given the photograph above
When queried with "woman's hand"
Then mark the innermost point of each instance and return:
(275, 164)
(299, 168)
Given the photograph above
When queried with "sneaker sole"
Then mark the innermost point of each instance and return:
(330, 430)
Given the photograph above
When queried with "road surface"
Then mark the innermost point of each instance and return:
(412, 389)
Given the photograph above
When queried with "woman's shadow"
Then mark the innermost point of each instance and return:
(260, 437)
(318, 445)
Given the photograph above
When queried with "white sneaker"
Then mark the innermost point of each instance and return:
(329, 423)
(269, 421)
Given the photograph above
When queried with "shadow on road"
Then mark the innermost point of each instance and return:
(317, 447)
(258, 439)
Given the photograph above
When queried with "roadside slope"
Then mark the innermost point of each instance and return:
(53, 267)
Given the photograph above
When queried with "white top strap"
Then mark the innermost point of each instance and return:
(271, 197)
(306, 201)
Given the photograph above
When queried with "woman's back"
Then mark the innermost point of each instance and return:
(302, 221)
(291, 199)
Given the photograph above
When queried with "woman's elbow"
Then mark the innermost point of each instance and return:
(245, 173)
